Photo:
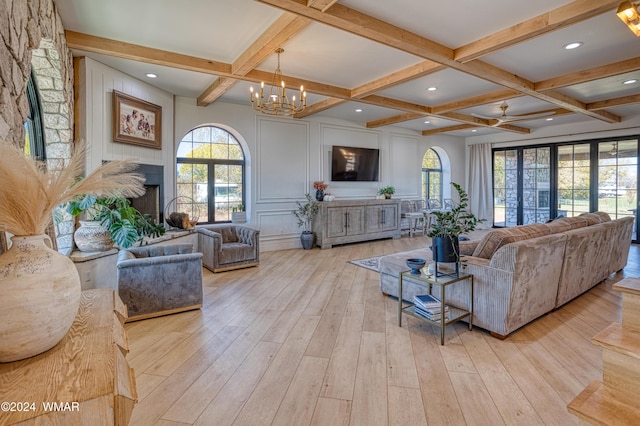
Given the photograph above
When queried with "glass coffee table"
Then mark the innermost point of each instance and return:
(430, 280)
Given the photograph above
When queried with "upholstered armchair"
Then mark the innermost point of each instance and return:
(226, 247)
(158, 280)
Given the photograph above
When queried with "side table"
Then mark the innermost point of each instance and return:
(455, 313)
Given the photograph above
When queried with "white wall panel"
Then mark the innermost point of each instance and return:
(405, 161)
(283, 159)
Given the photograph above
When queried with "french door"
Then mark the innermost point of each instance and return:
(534, 184)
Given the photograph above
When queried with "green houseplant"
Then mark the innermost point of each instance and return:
(387, 191)
(238, 215)
(448, 225)
(124, 224)
(305, 214)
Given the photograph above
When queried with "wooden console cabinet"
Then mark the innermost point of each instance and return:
(350, 221)
(83, 380)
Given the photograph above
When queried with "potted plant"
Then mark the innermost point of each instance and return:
(387, 191)
(238, 215)
(448, 225)
(305, 214)
(124, 224)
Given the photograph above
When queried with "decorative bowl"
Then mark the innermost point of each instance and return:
(416, 265)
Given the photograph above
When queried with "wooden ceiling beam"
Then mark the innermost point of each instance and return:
(592, 74)
(321, 5)
(283, 29)
(561, 17)
(395, 119)
(447, 129)
(623, 101)
(215, 90)
(407, 74)
(395, 104)
(149, 55)
(257, 76)
(374, 29)
(498, 96)
(320, 106)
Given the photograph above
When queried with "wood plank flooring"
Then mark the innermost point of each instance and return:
(307, 338)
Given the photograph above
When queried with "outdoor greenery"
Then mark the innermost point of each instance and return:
(126, 224)
(306, 212)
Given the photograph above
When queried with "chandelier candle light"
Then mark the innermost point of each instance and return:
(277, 102)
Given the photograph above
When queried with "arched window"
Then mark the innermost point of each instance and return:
(34, 134)
(210, 174)
(431, 176)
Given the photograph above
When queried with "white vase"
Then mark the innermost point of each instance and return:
(39, 297)
(92, 236)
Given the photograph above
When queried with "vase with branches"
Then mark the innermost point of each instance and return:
(41, 287)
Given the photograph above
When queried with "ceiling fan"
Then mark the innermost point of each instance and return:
(504, 118)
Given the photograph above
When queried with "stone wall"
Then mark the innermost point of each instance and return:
(23, 25)
(31, 34)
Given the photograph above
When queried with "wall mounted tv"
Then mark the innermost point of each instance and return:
(354, 164)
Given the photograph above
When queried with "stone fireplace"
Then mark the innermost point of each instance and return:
(152, 201)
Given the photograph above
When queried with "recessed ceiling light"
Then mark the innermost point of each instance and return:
(474, 130)
(633, 80)
(151, 75)
(427, 122)
(432, 89)
(358, 110)
(572, 45)
(550, 119)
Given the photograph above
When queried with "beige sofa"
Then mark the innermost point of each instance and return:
(523, 272)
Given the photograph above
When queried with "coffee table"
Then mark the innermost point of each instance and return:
(430, 280)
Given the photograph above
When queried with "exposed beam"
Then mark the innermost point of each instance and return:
(144, 54)
(480, 122)
(395, 119)
(624, 101)
(447, 129)
(592, 74)
(309, 86)
(395, 104)
(283, 29)
(366, 26)
(215, 90)
(321, 5)
(563, 16)
(576, 106)
(320, 106)
(410, 73)
(500, 95)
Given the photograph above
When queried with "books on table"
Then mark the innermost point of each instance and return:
(430, 307)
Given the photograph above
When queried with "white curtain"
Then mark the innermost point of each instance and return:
(480, 188)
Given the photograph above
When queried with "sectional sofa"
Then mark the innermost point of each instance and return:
(523, 272)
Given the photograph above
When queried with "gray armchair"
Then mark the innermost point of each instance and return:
(159, 280)
(226, 247)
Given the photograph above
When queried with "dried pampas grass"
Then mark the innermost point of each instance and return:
(29, 192)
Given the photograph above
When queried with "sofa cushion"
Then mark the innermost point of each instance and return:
(567, 224)
(499, 237)
(604, 217)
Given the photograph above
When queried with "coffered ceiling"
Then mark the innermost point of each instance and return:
(380, 57)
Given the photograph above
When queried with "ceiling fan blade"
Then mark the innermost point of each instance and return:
(529, 116)
(486, 117)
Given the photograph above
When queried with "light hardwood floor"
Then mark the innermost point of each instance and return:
(307, 338)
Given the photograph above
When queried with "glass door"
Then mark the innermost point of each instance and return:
(536, 185)
(505, 187)
(618, 179)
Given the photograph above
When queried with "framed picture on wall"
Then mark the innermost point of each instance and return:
(136, 122)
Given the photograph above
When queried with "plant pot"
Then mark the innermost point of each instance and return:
(387, 196)
(39, 298)
(91, 236)
(444, 250)
(239, 217)
(306, 238)
(319, 194)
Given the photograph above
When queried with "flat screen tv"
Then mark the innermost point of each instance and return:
(354, 164)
